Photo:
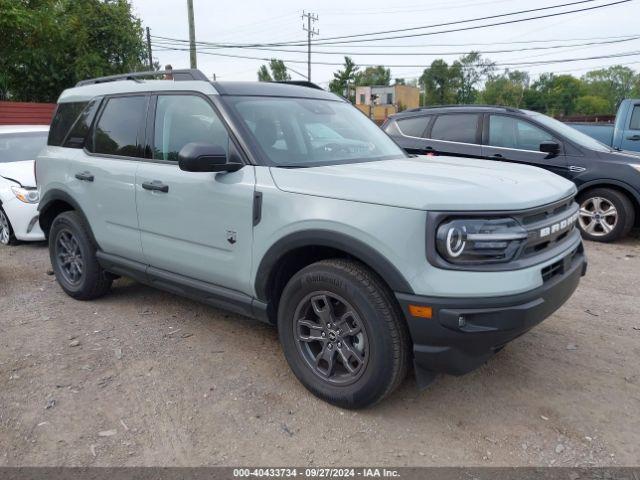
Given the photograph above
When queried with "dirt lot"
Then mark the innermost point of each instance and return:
(142, 377)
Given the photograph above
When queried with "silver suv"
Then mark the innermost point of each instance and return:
(284, 203)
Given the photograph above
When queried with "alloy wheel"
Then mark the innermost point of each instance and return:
(331, 338)
(598, 216)
(5, 229)
(69, 257)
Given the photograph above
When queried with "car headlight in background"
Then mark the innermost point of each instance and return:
(26, 195)
(479, 241)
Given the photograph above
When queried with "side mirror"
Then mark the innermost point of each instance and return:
(551, 148)
(204, 157)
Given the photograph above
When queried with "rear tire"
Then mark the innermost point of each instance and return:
(6, 230)
(605, 214)
(343, 334)
(73, 258)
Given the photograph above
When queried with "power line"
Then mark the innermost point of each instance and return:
(352, 39)
(534, 63)
(322, 52)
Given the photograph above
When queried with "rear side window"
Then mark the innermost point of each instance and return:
(118, 129)
(461, 128)
(79, 131)
(413, 127)
(635, 118)
(66, 115)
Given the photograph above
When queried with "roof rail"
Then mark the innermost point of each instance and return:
(178, 75)
(302, 83)
(508, 109)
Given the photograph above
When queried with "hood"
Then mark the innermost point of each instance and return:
(430, 183)
(21, 172)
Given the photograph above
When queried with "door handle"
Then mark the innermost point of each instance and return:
(84, 176)
(497, 156)
(156, 186)
(634, 138)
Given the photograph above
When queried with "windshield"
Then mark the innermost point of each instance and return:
(15, 147)
(570, 133)
(301, 132)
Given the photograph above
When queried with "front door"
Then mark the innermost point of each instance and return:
(512, 139)
(195, 224)
(631, 134)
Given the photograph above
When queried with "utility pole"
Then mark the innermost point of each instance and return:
(192, 36)
(311, 31)
(149, 49)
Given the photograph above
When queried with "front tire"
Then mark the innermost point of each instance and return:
(605, 215)
(6, 231)
(73, 258)
(343, 334)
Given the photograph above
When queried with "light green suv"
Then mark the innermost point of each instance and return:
(284, 203)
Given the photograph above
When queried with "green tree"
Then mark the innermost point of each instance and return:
(49, 45)
(613, 84)
(374, 76)
(473, 69)
(344, 79)
(277, 72)
(441, 82)
(554, 94)
(592, 105)
(506, 89)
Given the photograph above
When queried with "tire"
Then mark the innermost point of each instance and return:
(6, 230)
(371, 346)
(605, 214)
(73, 258)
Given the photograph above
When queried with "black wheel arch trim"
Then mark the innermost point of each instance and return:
(608, 183)
(59, 195)
(327, 238)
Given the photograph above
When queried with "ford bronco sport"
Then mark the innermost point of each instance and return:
(284, 203)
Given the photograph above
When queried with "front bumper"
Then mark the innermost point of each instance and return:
(24, 220)
(463, 333)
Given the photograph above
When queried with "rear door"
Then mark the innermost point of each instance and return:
(631, 135)
(512, 139)
(102, 175)
(409, 133)
(455, 134)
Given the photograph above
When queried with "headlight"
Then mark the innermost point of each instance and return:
(479, 241)
(26, 195)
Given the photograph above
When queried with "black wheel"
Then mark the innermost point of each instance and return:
(6, 231)
(73, 258)
(343, 334)
(605, 214)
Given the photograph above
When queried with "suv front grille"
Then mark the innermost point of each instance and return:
(559, 267)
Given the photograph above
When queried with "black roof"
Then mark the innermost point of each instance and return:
(273, 89)
(455, 108)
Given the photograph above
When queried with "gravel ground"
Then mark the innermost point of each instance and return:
(142, 377)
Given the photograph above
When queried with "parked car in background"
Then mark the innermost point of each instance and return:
(624, 134)
(608, 180)
(19, 146)
(286, 204)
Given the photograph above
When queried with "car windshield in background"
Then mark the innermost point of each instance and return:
(570, 133)
(296, 132)
(15, 147)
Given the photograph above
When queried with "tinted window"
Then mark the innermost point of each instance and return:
(64, 118)
(15, 147)
(78, 134)
(414, 127)
(182, 119)
(510, 132)
(456, 128)
(116, 132)
(635, 118)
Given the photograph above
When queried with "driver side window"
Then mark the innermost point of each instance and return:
(182, 119)
(510, 132)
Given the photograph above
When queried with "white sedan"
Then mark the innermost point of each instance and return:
(19, 146)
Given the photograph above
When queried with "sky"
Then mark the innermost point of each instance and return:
(262, 21)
